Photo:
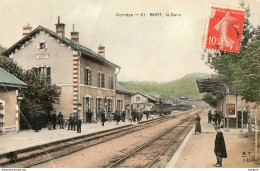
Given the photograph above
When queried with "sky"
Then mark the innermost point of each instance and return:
(148, 48)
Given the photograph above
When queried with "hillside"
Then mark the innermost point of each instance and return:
(171, 90)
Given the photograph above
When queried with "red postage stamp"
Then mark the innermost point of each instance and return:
(225, 29)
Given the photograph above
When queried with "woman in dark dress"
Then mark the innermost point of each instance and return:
(220, 148)
(197, 127)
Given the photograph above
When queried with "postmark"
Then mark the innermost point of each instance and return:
(224, 29)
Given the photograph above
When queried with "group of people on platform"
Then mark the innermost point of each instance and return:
(138, 116)
(73, 122)
(216, 118)
(116, 117)
(53, 120)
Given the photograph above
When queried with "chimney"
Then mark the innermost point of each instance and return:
(101, 50)
(74, 35)
(60, 28)
(27, 29)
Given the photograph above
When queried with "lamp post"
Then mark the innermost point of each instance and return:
(79, 105)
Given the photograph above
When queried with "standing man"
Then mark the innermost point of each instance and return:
(74, 122)
(209, 116)
(220, 147)
(60, 120)
(90, 116)
(54, 119)
(79, 125)
(103, 117)
(147, 114)
(87, 116)
(216, 117)
(132, 115)
(123, 116)
(117, 118)
(70, 122)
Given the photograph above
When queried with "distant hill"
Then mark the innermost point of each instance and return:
(171, 90)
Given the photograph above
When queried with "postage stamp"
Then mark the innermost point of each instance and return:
(225, 29)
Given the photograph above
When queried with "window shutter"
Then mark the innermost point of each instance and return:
(99, 79)
(89, 77)
(85, 76)
(112, 83)
(103, 80)
(49, 72)
(91, 103)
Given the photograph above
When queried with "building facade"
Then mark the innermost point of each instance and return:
(9, 105)
(87, 78)
(123, 102)
(230, 105)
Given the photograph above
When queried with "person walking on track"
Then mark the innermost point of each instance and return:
(220, 147)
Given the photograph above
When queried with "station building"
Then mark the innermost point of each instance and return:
(142, 101)
(229, 103)
(9, 104)
(87, 78)
(123, 99)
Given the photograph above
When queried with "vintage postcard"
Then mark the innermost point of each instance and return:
(129, 84)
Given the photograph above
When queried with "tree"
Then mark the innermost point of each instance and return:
(39, 96)
(210, 99)
(240, 70)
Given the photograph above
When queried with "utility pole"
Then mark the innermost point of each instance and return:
(227, 112)
(242, 117)
(256, 132)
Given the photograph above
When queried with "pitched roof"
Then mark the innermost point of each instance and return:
(149, 97)
(64, 40)
(8, 80)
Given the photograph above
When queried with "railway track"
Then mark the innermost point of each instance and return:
(148, 154)
(44, 153)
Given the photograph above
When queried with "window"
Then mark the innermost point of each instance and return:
(43, 71)
(138, 99)
(111, 82)
(42, 46)
(88, 103)
(109, 105)
(98, 105)
(87, 76)
(101, 80)
(119, 106)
